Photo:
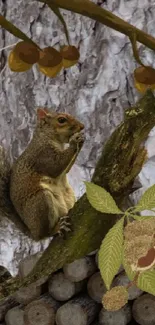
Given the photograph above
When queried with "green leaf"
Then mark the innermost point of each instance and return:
(128, 270)
(14, 30)
(57, 12)
(100, 199)
(146, 281)
(110, 253)
(147, 201)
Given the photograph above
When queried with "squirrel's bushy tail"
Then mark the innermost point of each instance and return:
(6, 207)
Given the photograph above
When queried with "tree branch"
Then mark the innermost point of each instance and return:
(11, 28)
(120, 162)
(91, 10)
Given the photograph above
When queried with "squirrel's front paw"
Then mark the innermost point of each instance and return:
(77, 140)
(63, 226)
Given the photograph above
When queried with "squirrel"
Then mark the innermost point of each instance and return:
(38, 185)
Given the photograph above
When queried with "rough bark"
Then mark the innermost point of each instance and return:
(27, 264)
(96, 91)
(120, 162)
(91, 10)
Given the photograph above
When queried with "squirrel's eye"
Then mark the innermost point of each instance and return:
(62, 120)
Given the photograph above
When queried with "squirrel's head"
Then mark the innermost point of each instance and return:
(61, 125)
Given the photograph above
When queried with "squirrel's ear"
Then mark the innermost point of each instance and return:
(42, 113)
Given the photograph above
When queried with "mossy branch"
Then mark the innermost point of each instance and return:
(89, 9)
(120, 162)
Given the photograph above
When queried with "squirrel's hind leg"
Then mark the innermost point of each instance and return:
(61, 220)
(41, 215)
(36, 215)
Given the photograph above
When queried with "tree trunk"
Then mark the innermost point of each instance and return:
(124, 151)
(89, 9)
(96, 91)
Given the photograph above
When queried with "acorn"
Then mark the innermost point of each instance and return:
(142, 87)
(144, 78)
(115, 298)
(70, 55)
(50, 61)
(23, 56)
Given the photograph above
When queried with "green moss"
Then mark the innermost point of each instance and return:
(120, 162)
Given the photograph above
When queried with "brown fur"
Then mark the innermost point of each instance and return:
(39, 188)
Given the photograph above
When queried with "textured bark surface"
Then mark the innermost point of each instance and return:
(96, 91)
(120, 162)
